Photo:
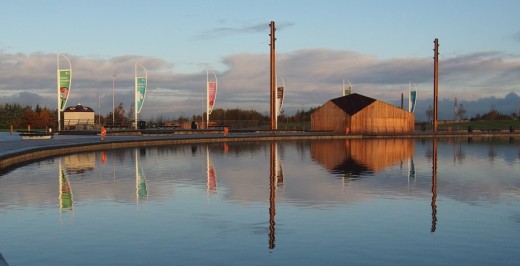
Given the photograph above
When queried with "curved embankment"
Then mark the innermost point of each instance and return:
(23, 152)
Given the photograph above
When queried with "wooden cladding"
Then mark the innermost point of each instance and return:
(375, 117)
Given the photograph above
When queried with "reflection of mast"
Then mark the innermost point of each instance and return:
(141, 192)
(272, 193)
(411, 170)
(434, 186)
(65, 191)
(210, 172)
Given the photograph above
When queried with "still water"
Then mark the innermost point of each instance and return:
(380, 201)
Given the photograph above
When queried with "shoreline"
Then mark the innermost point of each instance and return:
(18, 152)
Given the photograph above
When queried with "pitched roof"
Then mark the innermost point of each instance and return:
(78, 108)
(353, 103)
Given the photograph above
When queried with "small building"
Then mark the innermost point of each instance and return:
(360, 114)
(78, 117)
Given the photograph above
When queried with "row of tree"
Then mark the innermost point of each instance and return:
(493, 114)
(21, 117)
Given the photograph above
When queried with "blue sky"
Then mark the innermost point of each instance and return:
(379, 46)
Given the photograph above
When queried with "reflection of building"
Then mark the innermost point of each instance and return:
(78, 117)
(356, 113)
(357, 156)
(80, 162)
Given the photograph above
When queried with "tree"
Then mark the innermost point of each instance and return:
(461, 112)
(429, 113)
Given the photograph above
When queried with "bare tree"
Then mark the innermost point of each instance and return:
(429, 113)
(461, 112)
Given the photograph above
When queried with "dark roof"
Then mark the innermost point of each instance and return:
(353, 103)
(78, 108)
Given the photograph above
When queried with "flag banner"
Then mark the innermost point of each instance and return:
(347, 91)
(212, 94)
(64, 78)
(140, 91)
(413, 100)
(279, 100)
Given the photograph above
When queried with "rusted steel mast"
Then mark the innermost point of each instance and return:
(273, 77)
(435, 84)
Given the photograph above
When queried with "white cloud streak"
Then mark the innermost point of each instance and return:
(312, 76)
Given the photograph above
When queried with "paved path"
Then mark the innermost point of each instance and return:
(14, 150)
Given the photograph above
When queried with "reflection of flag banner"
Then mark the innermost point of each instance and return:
(140, 92)
(140, 180)
(411, 169)
(212, 178)
(66, 201)
(142, 191)
(64, 77)
(412, 101)
(212, 94)
(211, 175)
(279, 100)
(278, 172)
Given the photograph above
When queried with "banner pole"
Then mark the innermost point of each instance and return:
(207, 98)
(58, 90)
(135, 96)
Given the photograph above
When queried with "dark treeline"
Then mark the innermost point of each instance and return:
(493, 114)
(19, 116)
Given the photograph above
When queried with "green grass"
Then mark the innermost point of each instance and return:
(483, 125)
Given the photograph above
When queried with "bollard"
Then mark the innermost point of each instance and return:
(103, 133)
(11, 129)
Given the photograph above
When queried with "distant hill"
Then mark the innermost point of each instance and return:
(507, 105)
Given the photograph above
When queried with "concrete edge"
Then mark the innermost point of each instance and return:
(39, 153)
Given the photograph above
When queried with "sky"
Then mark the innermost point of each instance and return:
(380, 47)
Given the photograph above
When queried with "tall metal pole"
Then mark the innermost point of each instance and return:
(207, 97)
(135, 96)
(273, 77)
(58, 89)
(113, 98)
(435, 84)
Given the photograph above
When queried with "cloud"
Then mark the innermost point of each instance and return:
(220, 32)
(312, 76)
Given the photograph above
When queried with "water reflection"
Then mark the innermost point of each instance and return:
(80, 163)
(358, 157)
(141, 191)
(210, 172)
(275, 181)
(65, 190)
(434, 187)
(370, 185)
